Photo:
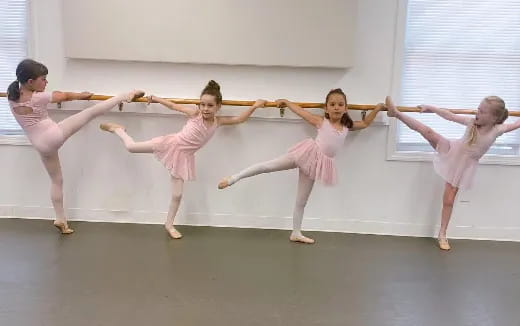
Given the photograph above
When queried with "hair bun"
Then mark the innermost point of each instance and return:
(213, 84)
(505, 115)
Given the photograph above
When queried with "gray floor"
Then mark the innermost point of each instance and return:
(122, 274)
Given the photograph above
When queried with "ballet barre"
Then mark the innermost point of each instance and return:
(305, 105)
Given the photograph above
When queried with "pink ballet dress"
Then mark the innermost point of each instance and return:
(315, 157)
(456, 161)
(177, 151)
(44, 134)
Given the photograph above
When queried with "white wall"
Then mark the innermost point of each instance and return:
(103, 182)
(268, 32)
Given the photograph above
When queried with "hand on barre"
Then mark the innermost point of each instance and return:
(85, 95)
(282, 103)
(425, 108)
(259, 103)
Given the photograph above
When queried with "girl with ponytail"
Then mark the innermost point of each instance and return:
(28, 101)
(456, 161)
(314, 158)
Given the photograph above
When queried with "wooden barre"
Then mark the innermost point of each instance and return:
(358, 107)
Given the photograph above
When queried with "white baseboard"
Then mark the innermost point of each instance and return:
(267, 222)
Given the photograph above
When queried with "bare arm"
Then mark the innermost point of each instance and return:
(58, 97)
(226, 121)
(190, 111)
(358, 125)
(507, 127)
(446, 114)
(313, 119)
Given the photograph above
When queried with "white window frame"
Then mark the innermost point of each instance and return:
(392, 154)
(22, 140)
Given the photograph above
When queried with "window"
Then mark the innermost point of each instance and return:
(13, 48)
(456, 53)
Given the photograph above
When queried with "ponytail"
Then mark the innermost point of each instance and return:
(27, 69)
(13, 91)
(500, 112)
(346, 120)
(472, 134)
